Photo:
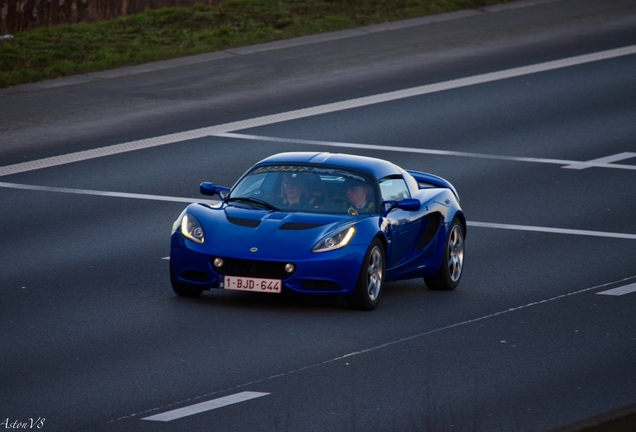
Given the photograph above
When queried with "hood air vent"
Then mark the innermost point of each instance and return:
(297, 226)
(250, 223)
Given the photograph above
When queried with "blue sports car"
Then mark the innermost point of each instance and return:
(321, 224)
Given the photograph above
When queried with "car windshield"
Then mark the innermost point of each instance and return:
(305, 188)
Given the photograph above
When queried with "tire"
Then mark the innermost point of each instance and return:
(451, 270)
(182, 289)
(366, 295)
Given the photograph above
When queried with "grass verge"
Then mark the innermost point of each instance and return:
(64, 50)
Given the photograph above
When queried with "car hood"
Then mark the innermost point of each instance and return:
(274, 234)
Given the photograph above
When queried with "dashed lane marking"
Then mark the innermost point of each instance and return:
(205, 406)
(314, 111)
(620, 290)
(396, 342)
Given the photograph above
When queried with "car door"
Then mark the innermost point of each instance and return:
(401, 226)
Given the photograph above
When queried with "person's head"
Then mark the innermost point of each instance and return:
(293, 188)
(358, 193)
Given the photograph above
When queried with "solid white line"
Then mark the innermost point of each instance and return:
(194, 200)
(620, 290)
(101, 193)
(205, 406)
(602, 162)
(599, 163)
(314, 111)
(553, 230)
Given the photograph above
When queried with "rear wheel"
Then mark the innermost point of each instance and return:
(450, 273)
(366, 295)
(182, 289)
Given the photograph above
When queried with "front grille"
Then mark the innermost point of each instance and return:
(321, 285)
(251, 268)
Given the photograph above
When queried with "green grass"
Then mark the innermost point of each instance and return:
(168, 33)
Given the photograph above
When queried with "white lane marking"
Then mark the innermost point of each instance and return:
(620, 290)
(605, 162)
(205, 406)
(101, 193)
(194, 200)
(553, 230)
(398, 149)
(474, 320)
(314, 111)
(412, 337)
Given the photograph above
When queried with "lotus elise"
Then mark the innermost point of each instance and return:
(321, 224)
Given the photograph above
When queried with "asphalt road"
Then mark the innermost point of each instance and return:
(94, 170)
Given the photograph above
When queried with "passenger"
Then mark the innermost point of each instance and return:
(361, 196)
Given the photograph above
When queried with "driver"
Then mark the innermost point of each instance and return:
(293, 192)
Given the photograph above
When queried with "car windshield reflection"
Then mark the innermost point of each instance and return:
(306, 189)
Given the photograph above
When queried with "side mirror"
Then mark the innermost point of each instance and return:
(211, 189)
(406, 204)
(409, 204)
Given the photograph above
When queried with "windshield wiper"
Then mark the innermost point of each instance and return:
(253, 201)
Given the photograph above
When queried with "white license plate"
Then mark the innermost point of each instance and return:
(250, 284)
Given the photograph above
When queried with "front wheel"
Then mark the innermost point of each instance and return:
(450, 273)
(366, 295)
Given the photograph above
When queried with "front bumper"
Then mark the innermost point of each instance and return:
(327, 273)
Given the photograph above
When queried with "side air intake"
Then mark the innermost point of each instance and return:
(433, 221)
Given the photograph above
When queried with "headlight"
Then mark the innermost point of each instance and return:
(335, 241)
(191, 228)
